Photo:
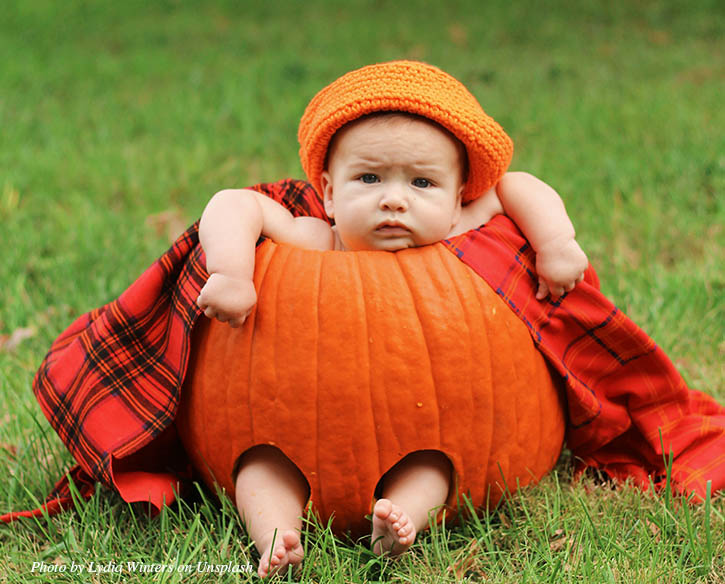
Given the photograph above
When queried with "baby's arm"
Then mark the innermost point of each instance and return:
(229, 229)
(478, 212)
(539, 212)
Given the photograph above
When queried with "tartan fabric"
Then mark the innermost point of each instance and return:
(110, 383)
(628, 406)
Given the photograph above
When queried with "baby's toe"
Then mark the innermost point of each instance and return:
(383, 508)
(290, 539)
(278, 555)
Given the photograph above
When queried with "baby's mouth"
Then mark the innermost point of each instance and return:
(392, 228)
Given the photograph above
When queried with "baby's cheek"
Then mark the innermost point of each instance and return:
(350, 241)
(440, 229)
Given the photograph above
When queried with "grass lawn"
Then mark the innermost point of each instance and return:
(119, 120)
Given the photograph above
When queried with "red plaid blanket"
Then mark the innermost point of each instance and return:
(110, 383)
(629, 409)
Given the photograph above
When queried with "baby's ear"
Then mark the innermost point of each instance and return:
(326, 184)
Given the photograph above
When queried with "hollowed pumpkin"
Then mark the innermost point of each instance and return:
(351, 360)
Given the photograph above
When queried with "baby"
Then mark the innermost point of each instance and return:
(417, 163)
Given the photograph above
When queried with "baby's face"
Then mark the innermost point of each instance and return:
(393, 182)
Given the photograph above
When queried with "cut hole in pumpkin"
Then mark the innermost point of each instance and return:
(422, 475)
(409, 464)
(272, 457)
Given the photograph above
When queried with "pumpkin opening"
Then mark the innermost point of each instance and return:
(259, 448)
(408, 458)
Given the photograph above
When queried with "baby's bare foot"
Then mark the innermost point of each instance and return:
(393, 531)
(287, 551)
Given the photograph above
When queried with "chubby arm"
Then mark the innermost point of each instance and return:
(229, 229)
(539, 212)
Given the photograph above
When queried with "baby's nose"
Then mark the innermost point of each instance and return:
(394, 200)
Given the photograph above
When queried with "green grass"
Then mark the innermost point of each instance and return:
(111, 113)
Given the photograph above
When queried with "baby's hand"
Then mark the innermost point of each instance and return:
(560, 266)
(227, 299)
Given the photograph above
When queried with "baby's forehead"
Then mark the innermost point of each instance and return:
(384, 122)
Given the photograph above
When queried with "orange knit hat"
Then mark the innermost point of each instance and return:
(416, 88)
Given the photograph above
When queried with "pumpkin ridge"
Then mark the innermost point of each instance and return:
(286, 274)
(489, 328)
(488, 303)
(303, 389)
(410, 284)
(470, 451)
(536, 455)
(376, 414)
(261, 269)
(360, 282)
(458, 468)
(321, 485)
(501, 457)
(384, 418)
(537, 398)
(316, 413)
(209, 410)
(228, 445)
(277, 259)
(346, 459)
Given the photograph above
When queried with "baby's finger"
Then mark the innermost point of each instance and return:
(238, 322)
(556, 292)
(209, 312)
(569, 287)
(543, 290)
(580, 278)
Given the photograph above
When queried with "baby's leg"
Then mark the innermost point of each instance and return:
(410, 491)
(271, 493)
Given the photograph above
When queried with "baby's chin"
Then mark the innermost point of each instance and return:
(384, 243)
(387, 245)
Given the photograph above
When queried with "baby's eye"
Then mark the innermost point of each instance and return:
(421, 183)
(369, 178)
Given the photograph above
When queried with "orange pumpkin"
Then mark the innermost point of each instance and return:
(351, 360)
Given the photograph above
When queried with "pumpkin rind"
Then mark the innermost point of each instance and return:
(351, 360)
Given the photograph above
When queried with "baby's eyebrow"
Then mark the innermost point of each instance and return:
(368, 162)
(377, 163)
(429, 168)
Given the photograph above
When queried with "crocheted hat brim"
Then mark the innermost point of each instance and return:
(412, 87)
